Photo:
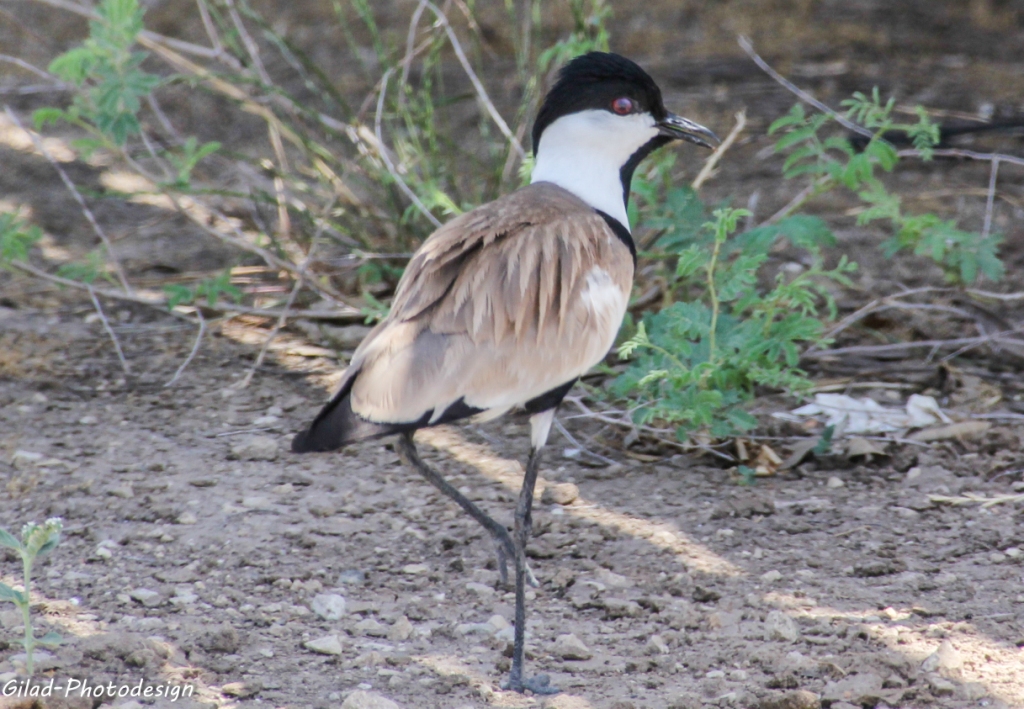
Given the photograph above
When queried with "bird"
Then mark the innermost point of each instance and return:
(506, 306)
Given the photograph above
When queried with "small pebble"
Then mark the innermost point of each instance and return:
(146, 597)
(480, 589)
(560, 494)
(361, 699)
(327, 645)
(779, 626)
(371, 627)
(835, 482)
(255, 448)
(771, 576)
(351, 577)
(329, 606)
(400, 630)
(570, 647)
(656, 645)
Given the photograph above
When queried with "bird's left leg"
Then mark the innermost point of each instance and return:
(539, 684)
(502, 541)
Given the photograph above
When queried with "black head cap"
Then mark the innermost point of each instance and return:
(595, 80)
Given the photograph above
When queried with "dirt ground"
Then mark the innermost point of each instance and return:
(198, 551)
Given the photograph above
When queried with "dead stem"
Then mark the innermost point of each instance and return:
(195, 348)
(90, 217)
(110, 330)
(711, 163)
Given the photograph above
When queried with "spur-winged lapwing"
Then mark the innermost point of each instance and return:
(508, 305)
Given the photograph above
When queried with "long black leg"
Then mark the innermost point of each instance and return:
(503, 542)
(540, 684)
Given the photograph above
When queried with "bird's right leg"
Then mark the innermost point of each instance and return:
(502, 539)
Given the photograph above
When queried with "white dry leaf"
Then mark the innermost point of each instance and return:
(853, 416)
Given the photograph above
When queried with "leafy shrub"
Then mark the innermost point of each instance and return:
(965, 257)
(696, 361)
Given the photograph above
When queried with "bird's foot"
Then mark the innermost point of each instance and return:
(538, 684)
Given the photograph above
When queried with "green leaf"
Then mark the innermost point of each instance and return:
(178, 294)
(49, 546)
(44, 116)
(9, 540)
(74, 65)
(51, 639)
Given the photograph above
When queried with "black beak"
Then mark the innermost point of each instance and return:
(679, 128)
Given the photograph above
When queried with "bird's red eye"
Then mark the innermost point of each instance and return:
(623, 106)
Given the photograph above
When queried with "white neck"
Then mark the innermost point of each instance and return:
(584, 153)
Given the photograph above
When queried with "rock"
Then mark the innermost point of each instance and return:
(187, 518)
(946, 661)
(560, 494)
(361, 699)
(255, 448)
(480, 589)
(879, 567)
(329, 606)
(327, 645)
(940, 686)
(125, 492)
(241, 690)
(800, 699)
(147, 597)
(771, 576)
(656, 645)
(498, 622)
(400, 630)
(415, 569)
(570, 647)
(613, 580)
(474, 629)
(745, 503)
(863, 688)
(617, 608)
(371, 627)
(351, 577)
(799, 663)
(834, 482)
(705, 595)
(220, 638)
(183, 596)
(972, 691)
(779, 626)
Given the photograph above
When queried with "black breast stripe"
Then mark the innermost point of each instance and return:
(622, 232)
(549, 399)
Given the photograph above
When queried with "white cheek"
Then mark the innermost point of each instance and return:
(584, 153)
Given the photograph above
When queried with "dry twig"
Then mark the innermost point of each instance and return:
(110, 330)
(195, 348)
(715, 157)
(90, 217)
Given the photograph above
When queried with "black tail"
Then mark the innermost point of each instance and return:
(337, 425)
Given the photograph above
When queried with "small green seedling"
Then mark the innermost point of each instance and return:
(36, 541)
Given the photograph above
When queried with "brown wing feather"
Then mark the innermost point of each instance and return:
(498, 306)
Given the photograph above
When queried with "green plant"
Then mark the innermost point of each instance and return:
(697, 361)
(833, 162)
(37, 540)
(16, 239)
(109, 76)
(211, 289)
